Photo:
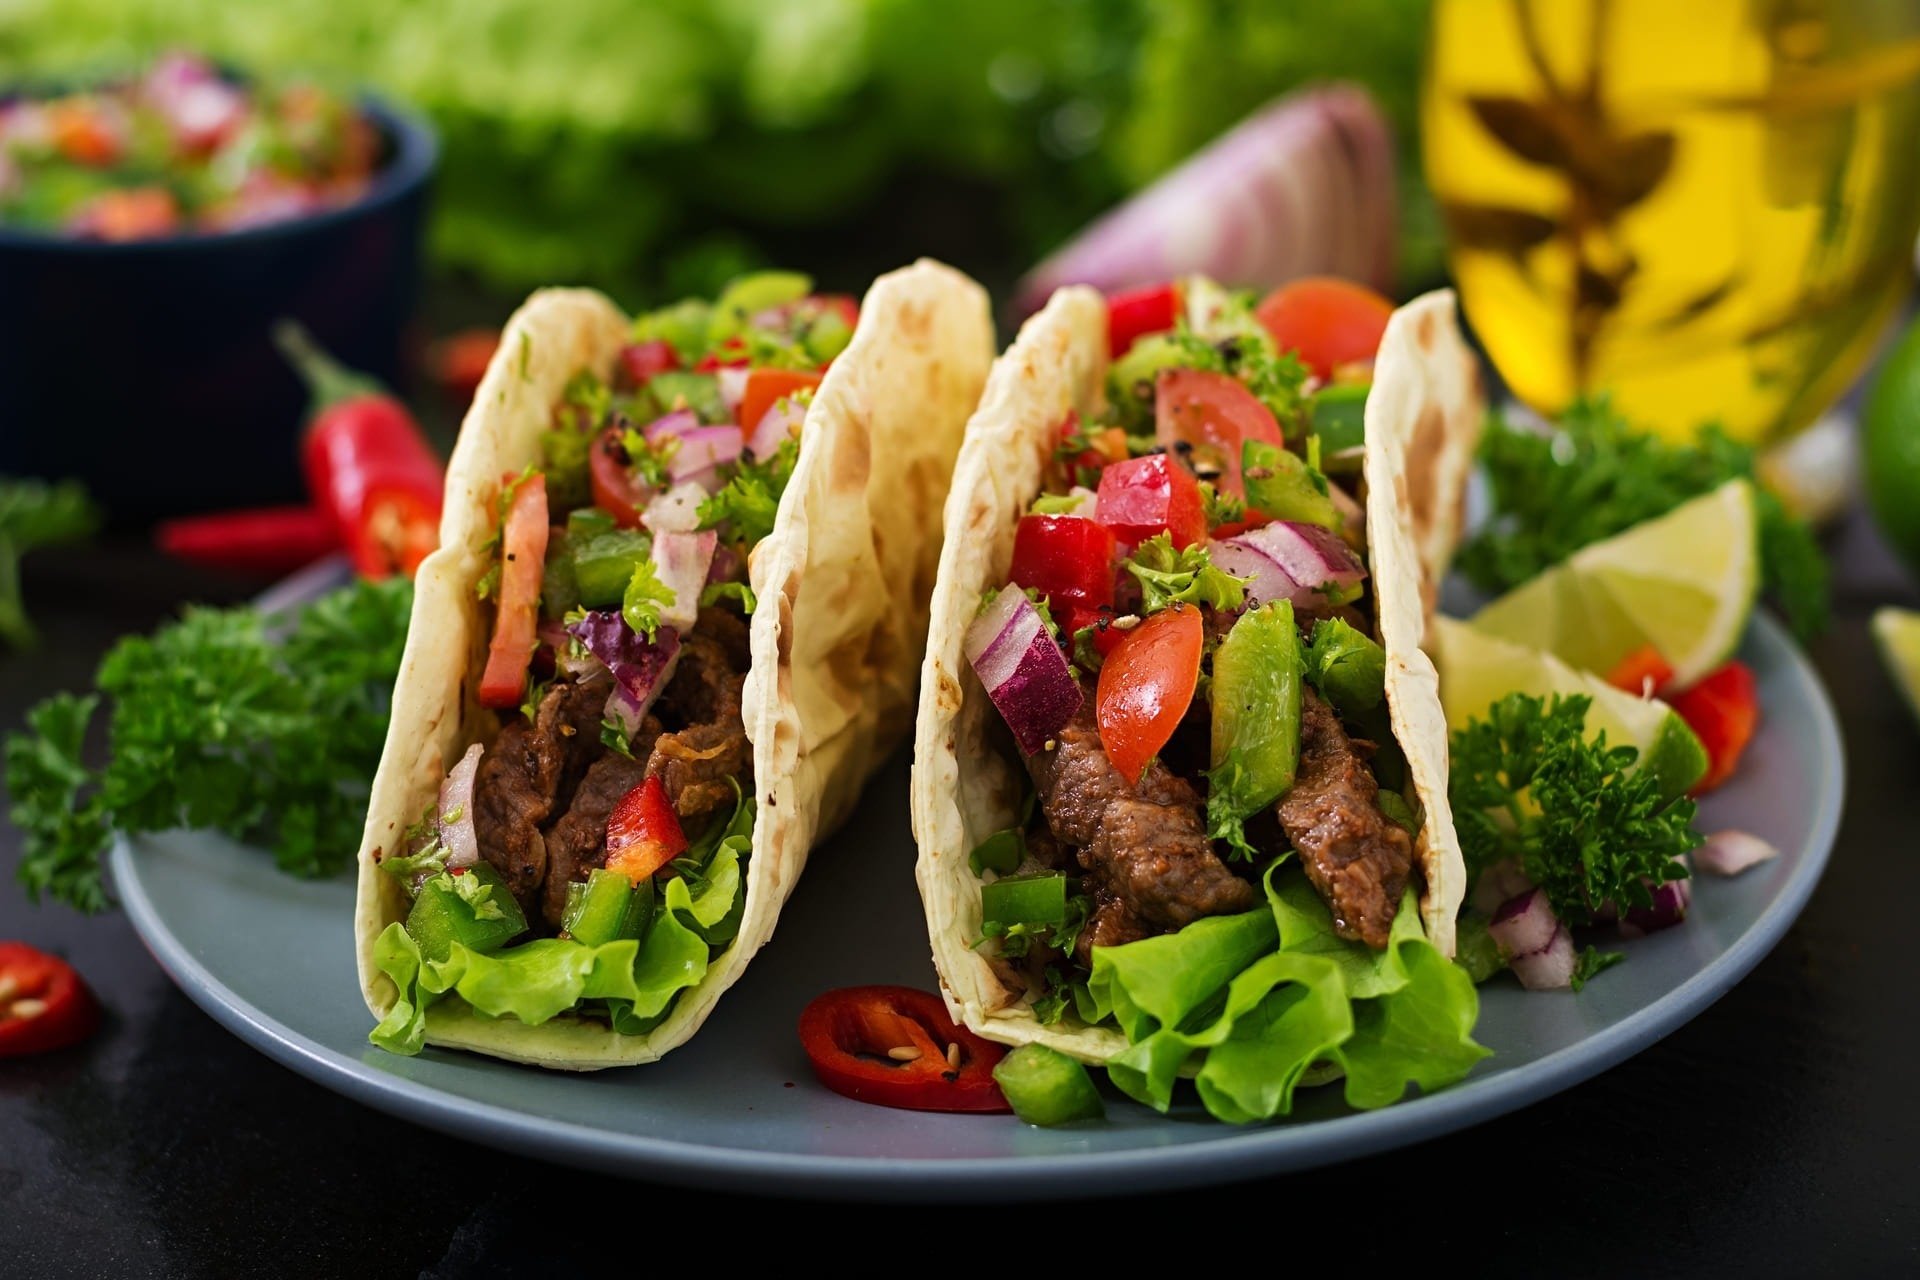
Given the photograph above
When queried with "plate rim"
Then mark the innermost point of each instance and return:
(1236, 1154)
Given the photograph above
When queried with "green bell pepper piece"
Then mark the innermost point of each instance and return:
(1045, 1086)
(1034, 900)
(1255, 695)
(473, 908)
(1339, 416)
(607, 907)
(1280, 483)
(699, 392)
(682, 325)
(740, 300)
(603, 565)
(1348, 668)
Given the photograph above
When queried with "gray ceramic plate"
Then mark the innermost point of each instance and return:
(271, 958)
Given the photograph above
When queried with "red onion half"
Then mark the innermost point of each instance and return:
(454, 811)
(1287, 560)
(1023, 670)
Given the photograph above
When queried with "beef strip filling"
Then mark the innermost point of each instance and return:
(528, 773)
(1356, 857)
(698, 763)
(578, 842)
(1149, 866)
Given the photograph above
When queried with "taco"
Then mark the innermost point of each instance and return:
(1179, 780)
(672, 626)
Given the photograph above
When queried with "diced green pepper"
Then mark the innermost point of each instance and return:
(1348, 668)
(473, 908)
(585, 522)
(1474, 948)
(607, 907)
(1000, 852)
(565, 452)
(603, 565)
(1045, 1086)
(1131, 379)
(828, 335)
(1032, 900)
(699, 392)
(1280, 483)
(1255, 695)
(682, 325)
(1339, 416)
(740, 300)
(559, 592)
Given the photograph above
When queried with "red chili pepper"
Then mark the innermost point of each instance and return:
(1722, 709)
(1106, 636)
(896, 1047)
(641, 360)
(643, 832)
(1068, 559)
(460, 360)
(1641, 672)
(367, 464)
(1132, 314)
(43, 1003)
(1142, 497)
(269, 541)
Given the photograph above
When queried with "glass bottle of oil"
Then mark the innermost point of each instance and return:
(1705, 207)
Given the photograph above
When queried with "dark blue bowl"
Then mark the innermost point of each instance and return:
(146, 369)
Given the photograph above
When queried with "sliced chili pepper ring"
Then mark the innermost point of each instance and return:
(43, 1003)
(897, 1047)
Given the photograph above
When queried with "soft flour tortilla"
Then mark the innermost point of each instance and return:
(843, 583)
(965, 787)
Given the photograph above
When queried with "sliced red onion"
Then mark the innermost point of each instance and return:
(1287, 560)
(1671, 899)
(675, 511)
(1497, 883)
(1303, 187)
(674, 424)
(570, 659)
(640, 667)
(732, 383)
(1728, 853)
(1023, 670)
(782, 419)
(681, 561)
(628, 711)
(454, 811)
(1524, 924)
(1551, 967)
(701, 454)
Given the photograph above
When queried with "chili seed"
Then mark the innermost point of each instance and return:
(27, 1008)
(903, 1053)
(953, 1056)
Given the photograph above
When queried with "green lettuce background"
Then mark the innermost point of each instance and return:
(604, 140)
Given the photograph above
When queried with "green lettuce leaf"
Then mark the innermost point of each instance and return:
(1252, 1002)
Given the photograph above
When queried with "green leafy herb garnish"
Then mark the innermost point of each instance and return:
(35, 514)
(1594, 961)
(1186, 576)
(739, 592)
(645, 597)
(751, 497)
(1585, 826)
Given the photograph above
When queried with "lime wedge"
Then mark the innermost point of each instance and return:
(1898, 632)
(1683, 583)
(1477, 670)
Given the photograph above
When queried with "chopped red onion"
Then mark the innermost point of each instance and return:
(1023, 670)
(1287, 560)
(725, 566)
(1497, 883)
(454, 810)
(1671, 899)
(1551, 967)
(1305, 186)
(1728, 853)
(681, 561)
(732, 382)
(674, 424)
(675, 511)
(1524, 924)
(640, 667)
(701, 454)
(782, 419)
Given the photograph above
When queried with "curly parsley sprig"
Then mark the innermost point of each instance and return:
(1184, 576)
(1526, 783)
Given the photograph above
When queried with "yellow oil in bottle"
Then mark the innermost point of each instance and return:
(1705, 207)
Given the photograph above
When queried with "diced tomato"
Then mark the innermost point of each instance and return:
(1146, 685)
(1069, 559)
(616, 489)
(1213, 414)
(643, 832)
(1325, 321)
(43, 1003)
(1106, 636)
(898, 1047)
(523, 550)
(1132, 314)
(641, 360)
(1641, 672)
(1723, 709)
(1141, 497)
(83, 134)
(137, 213)
(766, 387)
